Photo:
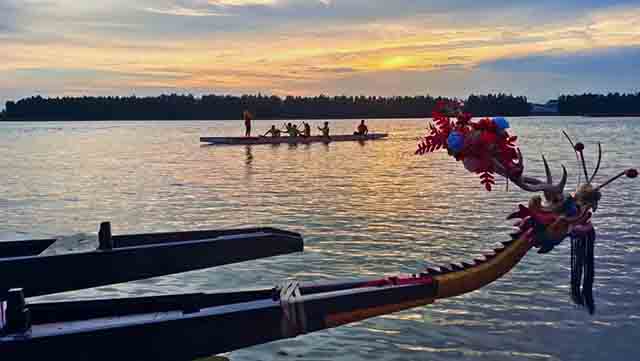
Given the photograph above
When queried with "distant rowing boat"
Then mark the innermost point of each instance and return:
(290, 140)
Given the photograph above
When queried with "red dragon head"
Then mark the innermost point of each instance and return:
(486, 148)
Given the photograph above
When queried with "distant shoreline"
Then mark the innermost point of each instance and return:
(613, 115)
(259, 119)
(176, 107)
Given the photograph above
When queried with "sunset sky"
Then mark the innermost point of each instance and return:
(306, 47)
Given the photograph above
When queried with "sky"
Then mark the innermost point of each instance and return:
(539, 49)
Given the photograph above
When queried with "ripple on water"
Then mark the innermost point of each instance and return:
(365, 210)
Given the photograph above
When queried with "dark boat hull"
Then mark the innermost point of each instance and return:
(24, 248)
(290, 140)
(136, 257)
(180, 328)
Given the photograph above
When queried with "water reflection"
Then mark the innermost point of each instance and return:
(248, 155)
(363, 210)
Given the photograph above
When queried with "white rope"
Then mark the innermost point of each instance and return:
(2, 321)
(294, 322)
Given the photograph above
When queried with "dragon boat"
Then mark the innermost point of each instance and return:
(291, 140)
(189, 326)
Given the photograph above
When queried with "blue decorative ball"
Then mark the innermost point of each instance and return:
(501, 123)
(570, 207)
(455, 142)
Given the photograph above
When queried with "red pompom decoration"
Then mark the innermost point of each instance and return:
(488, 137)
(482, 145)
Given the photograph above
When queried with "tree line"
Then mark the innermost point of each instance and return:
(189, 107)
(599, 104)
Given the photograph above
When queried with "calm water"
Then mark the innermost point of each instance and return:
(371, 209)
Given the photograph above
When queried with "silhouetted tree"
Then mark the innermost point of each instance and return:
(497, 104)
(173, 107)
(599, 104)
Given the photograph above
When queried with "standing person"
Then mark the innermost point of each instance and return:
(325, 130)
(362, 129)
(247, 123)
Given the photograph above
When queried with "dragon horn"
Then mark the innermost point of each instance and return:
(547, 170)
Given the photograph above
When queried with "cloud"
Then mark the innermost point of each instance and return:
(615, 61)
(8, 16)
(302, 46)
(271, 3)
(244, 2)
(181, 11)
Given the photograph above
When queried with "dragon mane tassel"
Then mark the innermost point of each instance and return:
(583, 269)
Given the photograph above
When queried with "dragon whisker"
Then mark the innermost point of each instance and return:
(631, 173)
(598, 164)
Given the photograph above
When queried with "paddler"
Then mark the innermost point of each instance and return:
(362, 129)
(287, 128)
(325, 130)
(295, 132)
(247, 123)
(275, 132)
(307, 130)
(292, 130)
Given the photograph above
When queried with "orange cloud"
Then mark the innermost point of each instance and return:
(291, 57)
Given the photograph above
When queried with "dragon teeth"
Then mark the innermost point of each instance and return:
(490, 256)
(433, 271)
